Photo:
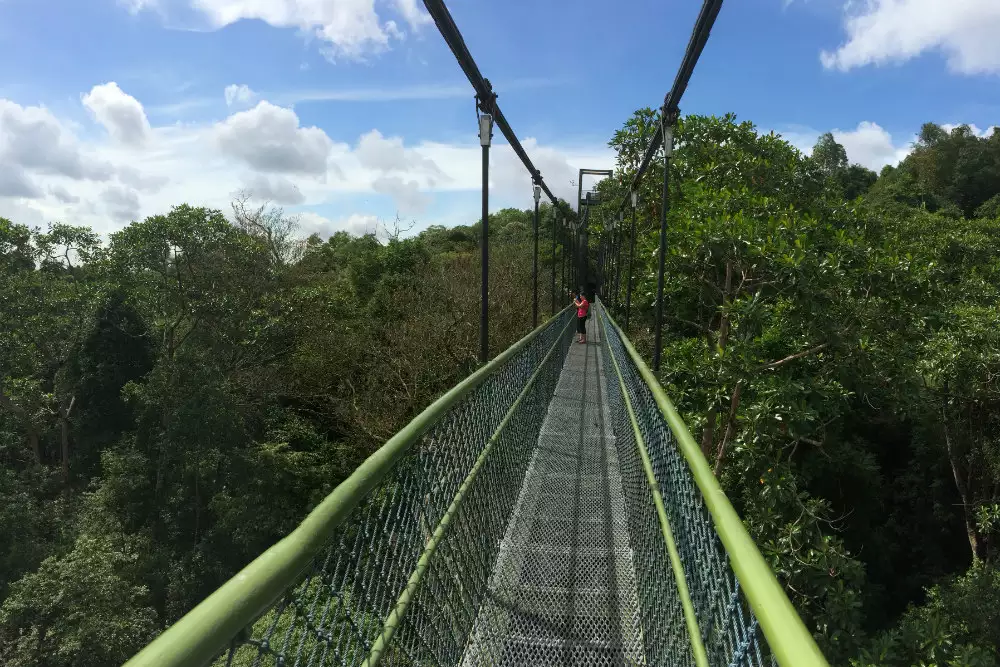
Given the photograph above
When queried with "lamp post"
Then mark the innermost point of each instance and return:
(534, 263)
(555, 219)
(562, 256)
(600, 261)
(634, 196)
(609, 249)
(485, 135)
(618, 257)
(668, 149)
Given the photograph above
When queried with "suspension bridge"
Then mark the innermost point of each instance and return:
(551, 509)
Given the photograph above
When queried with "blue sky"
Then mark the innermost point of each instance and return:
(348, 111)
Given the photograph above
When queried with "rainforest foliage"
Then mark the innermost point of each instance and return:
(176, 399)
(831, 337)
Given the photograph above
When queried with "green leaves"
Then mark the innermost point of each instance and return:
(806, 336)
(79, 610)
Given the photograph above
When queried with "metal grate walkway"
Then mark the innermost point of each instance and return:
(563, 589)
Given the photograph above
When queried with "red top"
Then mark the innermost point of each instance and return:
(581, 310)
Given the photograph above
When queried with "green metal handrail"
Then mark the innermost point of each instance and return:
(697, 557)
(787, 637)
(205, 631)
(698, 652)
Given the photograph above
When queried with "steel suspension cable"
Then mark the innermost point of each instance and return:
(699, 36)
(663, 136)
(487, 98)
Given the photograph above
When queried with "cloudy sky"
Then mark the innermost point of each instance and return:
(348, 111)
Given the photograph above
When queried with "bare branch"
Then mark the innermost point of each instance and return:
(793, 357)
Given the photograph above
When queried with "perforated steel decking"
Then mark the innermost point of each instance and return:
(563, 589)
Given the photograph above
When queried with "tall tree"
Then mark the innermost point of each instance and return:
(829, 156)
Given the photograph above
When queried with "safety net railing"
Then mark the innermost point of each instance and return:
(706, 595)
(391, 567)
(394, 566)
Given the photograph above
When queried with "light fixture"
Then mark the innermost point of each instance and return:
(538, 193)
(668, 140)
(635, 198)
(485, 129)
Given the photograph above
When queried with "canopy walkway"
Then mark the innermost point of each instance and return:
(552, 509)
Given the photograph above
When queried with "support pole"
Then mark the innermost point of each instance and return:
(600, 266)
(485, 134)
(576, 260)
(562, 262)
(608, 270)
(619, 232)
(534, 260)
(631, 262)
(668, 149)
(571, 261)
(554, 224)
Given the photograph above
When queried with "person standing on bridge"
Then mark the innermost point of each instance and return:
(582, 310)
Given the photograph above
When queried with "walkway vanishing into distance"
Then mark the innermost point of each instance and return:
(551, 509)
(563, 591)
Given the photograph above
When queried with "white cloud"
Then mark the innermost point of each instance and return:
(872, 146)
(24, 211)
(47, 174)
(869, 144)
(279, 190)
(886, 31)
(559, 168)
(15, 183)
(63, 195)
(982, 134)
(132, 177)
(414, 15)
(269, 139)
(357, 224)
(121, 114)
(389, 155)
(121, 203)
(34, 140)
(349, 28)
(239, 95)
(406, 193)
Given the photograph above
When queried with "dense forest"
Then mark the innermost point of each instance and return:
(175, 400)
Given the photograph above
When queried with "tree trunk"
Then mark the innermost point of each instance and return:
(708, 436)
(963, 491)
(35, 444)
(64, 437)
(726, 299)
(33, 436)
(197, 499)
(64, 428)
(734, 405)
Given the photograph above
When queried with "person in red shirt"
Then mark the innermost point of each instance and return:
(582, 309)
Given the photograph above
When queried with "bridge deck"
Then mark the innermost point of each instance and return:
(563, 589)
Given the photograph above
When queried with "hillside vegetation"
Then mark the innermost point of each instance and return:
(173, 402)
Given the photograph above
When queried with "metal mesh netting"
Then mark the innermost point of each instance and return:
(563, 588)
(728, 627)
(338, 609)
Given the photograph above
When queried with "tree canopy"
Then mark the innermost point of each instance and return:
(174, 401)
